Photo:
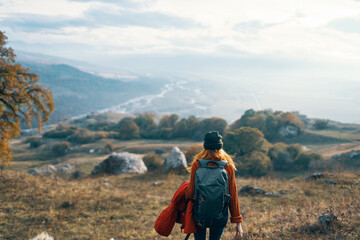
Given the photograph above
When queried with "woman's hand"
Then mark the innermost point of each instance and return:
(239, 232)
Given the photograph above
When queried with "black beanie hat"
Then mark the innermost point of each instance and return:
(213, 141)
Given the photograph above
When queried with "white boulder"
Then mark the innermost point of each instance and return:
(175, 160)
(120, 163)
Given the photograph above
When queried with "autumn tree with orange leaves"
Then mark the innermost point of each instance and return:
(21, 99)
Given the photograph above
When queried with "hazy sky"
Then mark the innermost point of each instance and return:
(280, 45)
(323, 30)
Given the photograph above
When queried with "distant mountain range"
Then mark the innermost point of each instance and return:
(77, 92)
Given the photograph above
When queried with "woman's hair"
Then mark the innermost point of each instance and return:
(213, 155)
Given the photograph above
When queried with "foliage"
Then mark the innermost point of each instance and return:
(61, 131)
(35, 142)
(60, 149)
(305, 158)
(146, 123)
(152, 161)
(255, 164)
(192, 151)
(85, 136)
(168, 121)
(294, 150)
(267, 121)
(213, 124)
(21, 99)
(181, 129)
(244, 141)
(321, 124)
(101, 125)
(187, 127)
(283, 156)
(164, 133)
(109, 147)
(128, 129)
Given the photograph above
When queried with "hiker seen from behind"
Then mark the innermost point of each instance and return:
(213, 190)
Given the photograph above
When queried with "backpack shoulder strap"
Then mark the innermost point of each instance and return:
(204, 163)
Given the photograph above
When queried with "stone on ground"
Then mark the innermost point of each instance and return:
(120, 163)
(175, 160)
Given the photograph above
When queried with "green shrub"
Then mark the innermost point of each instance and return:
(152, 161)
(275, 148)
(321, 124)
(101, 125)
(283, 156)
(60, 149)
(255, 164)
(61, 131)
(165, 133)
(128, 129)
(109, 147)
(36, 142)
(85, 136)
(244, 141)
(294, 150)
(305, 158)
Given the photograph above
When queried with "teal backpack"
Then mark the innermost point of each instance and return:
(211, 196)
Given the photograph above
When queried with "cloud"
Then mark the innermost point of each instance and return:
(122, 3)
(252, 27)
(95, 18)
(35, 23)
(348, 25)
(149, 19)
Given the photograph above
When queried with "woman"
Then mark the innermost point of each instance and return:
(213, 151)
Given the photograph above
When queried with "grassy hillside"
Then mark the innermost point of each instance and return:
(126, 207)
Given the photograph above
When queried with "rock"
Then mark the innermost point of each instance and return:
(315, 176)
(49, 169)
(335, 156)
(106, 184)
(91, 150)
(330, 181)
(288, 131)
(120, 163)
(327, 219)
(157, 183)
(282, 192)
(67, 204)
(43, 236)
(175, 160)
(34, 172)
(268, 194)
(252, 190)
(77, 174)
(353, 154)
(64, 169)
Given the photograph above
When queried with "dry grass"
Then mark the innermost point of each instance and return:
(126, 207)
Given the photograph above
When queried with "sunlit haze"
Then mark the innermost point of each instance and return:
(285, 55)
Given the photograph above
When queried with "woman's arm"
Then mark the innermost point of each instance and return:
(189, 192)
(234, 201)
